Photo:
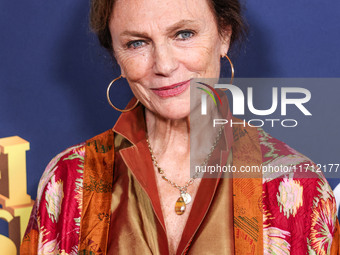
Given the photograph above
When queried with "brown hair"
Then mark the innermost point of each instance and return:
(227, 12)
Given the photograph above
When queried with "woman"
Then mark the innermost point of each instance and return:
(128, 190)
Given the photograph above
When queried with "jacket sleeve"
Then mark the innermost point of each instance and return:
(54, 224)
(300, 216)
(300, 213)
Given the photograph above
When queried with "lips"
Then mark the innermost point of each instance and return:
(172, 90)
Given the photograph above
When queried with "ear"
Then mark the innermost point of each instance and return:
(226, 36)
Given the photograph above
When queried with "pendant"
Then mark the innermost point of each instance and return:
(186, 197)
(180, 206)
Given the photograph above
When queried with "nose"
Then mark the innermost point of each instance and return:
(165, 62)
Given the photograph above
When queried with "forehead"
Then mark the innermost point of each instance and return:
(135, 14)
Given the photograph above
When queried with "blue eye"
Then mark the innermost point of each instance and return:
(135, 44)
(184, 35)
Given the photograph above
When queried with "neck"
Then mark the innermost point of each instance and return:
(170, 139)
(168, 136)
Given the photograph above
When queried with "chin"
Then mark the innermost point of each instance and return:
(175, 114)
(177, 117)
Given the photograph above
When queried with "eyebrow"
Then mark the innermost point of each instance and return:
(172, 28)
(179, 24)
(134, 33)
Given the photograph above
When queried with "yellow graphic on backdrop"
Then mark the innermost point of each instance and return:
(16, 203)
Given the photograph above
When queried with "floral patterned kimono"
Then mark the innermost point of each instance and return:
(100, 197)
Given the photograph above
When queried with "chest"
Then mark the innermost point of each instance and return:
(174, 223)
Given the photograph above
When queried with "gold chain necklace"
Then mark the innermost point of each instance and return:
(185, 197)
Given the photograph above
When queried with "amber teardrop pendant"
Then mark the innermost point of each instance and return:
(180, 206)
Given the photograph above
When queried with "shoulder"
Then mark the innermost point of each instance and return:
(277, 152)
(279, 159)
(68, 166)
(285, 168)
(65, 166)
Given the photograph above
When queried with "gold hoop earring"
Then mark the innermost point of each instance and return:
(232, 70)
(109, 100)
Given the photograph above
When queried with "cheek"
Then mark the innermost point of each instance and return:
(203, 57)
(141, 94)
(134, 66)
(141, 91)
(203, 61)
(138, 90)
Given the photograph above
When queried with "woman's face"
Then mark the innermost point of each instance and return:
(161, 44)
